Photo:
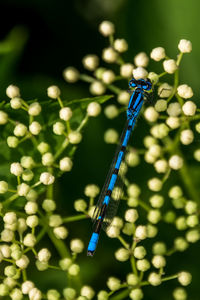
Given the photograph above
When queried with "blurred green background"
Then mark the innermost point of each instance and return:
(38, 40)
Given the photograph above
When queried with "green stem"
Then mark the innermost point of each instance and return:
(60, 102)
(74, 218)
(133, 265)
(124, 243)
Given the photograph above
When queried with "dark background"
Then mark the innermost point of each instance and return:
(44, 37)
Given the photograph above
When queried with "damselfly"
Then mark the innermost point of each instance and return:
(102, 211)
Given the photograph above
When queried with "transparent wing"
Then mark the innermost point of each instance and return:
(116, 196)
(112, 167)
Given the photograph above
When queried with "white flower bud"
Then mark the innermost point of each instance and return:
(94, 109)
(181, 223)
(143, 265)
(47, 159)
(156, 201)
(27, 175)
(16, 103)
(192, 236)
(47, 178)
(90, 62)
(111, 136)
(108, 76)
(10, 217)
(53, 91)
(111, 111)
(87, 292)
(184, 278)
(159, 131)
(71, 74)
(118, 222)
(154, 216)
(53, 295)
(12, 91)
(170, 66)
(151, 114)
(187, 136)
(12, 141)
(191, 207)
(69, 293)
(23, 189)
(126, 70)
(141, 232)
(185, 46)
(3, 187)
(44, 255)
(123, 98)
(154, 279)
(58, 128)
(185, 91)
(20, 130)
(158, 261)
(158, 53)
(35, 294)
(16, 169)
(65, 113)
(35, 128)
(3, 117)
(97, 88)
(91, 190)
(161, 105)
(43, 147)
(74, 270)
(27, 286)
(173, 122)
(176, 162)
(10, 271)
(141, 60)
(149, 141)
(102, 295)
(23, 262)
(32, 221)
(75, 137)
(140, 252)
(55, 220)
(132, 279)
(65, 164)
(77, 245)
(192, 221)
(106, 28)
(29, 240)
(120, 45)
(189, 108)
(49, 205)
(134, 190)
(136, 294)
(139, 73)
(161, 166)
(122, 254)
(113, 231)
(31, 208)
(154, 184)
(5, 251)
(80, 205)
(174, 109)
(165, 90)
(132, 158)
(179, 294)
(34, 109)
(27, 162)
(180, 244)
(16, 294)
(153, 77)
(131, 215)
(113, 283)
(60, 232)
(65, 263)
(175, 192)
(109, 55)
(159, 248)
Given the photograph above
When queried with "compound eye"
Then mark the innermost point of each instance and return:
(132, 83)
